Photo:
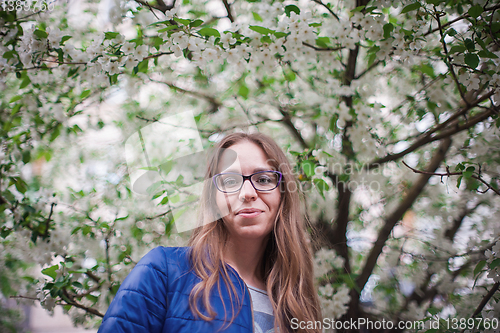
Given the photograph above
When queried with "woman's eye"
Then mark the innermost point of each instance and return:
(264, 180)
(230, 181)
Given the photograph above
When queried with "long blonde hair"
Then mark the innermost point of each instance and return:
(287, 262)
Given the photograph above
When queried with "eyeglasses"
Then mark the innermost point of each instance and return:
(262, 181)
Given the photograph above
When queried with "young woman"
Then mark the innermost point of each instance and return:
(248, 267)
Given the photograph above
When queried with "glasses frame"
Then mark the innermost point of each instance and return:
(249, 178)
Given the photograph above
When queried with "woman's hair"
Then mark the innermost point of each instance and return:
(287, 262)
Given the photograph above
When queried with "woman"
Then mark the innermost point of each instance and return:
(249, 271)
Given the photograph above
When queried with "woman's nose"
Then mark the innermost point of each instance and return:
(247, 191)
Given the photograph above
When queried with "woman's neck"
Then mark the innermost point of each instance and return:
(246, 258)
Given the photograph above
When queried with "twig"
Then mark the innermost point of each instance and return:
(450, 130)
(25, 297)
(108, 265)
(327, 8)
(47, 221)
(486, 298)
(372, 66)
(228, 10)
(461, 17)
(25, 17)
(215, 104)
(158, 55)
(328, 49)
(72, 302)
(448, 58)
(448, 174)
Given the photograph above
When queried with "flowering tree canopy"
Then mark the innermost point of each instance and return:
(388, 110)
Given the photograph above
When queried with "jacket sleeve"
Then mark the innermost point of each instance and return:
(140, 305)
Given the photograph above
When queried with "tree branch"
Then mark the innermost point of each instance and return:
(461, 17)
(372, 66)
(228, 10)
(485, 299)
(448, 58)
(161, 6)
(452, 128)
(287, 120)
(215, 103)
(459, 173)
(392, 219)
(327, 8)
(328, 49)
(68, 299)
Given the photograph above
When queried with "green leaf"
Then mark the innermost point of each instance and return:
(451, 32)
(468, 172)
(77, 284)
(110, 35)
(495, 263)
(182, 21)
(164, 201)
(243, 91)
(166, 22)
(171, 27)
(92, 298)
(143, 66)
(84, 94)
(196, 23)
(207, 32)
(65, 38)
(322, 186)
(388, 28)
(60, 55)
(427, 69)
(280, 34)
(472, 60)
(308, 167)
(40, 33)
(257, 17)
(25, 82)
(21, 185)
(15, 98)
(409, 8)
(357, 9)
(479, 267)
(469, 44)
(475, 11)
(291, 8)
(323, 42)
(51, 271)
(487, 54)
(290, 76)
(459, 181)
(457, 49)
(433, 311)
(261, 30)
(15, 109)
(9, 54)
(481, 43)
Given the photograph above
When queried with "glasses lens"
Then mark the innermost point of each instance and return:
(265, 181)
(229, 182)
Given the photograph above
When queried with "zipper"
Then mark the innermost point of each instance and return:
(249, 295)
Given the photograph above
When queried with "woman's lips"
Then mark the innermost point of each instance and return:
(249, 213)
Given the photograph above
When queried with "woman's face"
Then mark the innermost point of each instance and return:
(247, 213)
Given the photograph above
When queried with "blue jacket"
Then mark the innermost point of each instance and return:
(154, 298)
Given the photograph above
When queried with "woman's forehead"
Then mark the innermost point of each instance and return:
(245, 155)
